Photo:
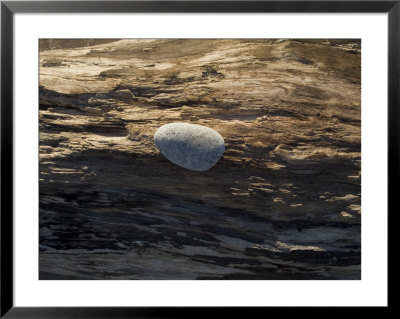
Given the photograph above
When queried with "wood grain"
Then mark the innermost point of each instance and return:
(284, 202)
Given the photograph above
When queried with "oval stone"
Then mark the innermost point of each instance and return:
(191, 146)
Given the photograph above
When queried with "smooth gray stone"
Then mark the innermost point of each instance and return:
(191, 146)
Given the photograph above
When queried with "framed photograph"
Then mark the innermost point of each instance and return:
(162, 156)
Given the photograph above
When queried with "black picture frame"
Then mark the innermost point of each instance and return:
(9, 8)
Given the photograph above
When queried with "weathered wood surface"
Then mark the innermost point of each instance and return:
(282, 203)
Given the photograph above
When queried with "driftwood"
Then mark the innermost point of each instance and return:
(282, 203)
